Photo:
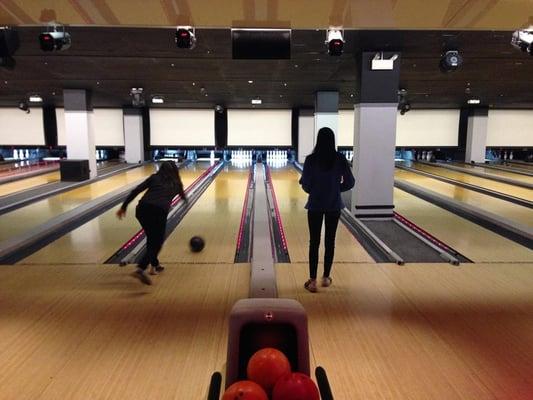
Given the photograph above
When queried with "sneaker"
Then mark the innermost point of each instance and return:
(156, 270)
(311, 285)
(140, 275)
(326, 281)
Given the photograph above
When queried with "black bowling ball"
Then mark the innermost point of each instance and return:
(196, 244)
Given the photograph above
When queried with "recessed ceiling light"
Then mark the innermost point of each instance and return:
(280, 95)
(256, 101)
(284, 83)
(158, 100)
(35, 98)
(474, 101)
(53, 93)
(351, 95)
(250, 81)
(5, 82)
(172, 64)
(194, 83)
(97, 83)
(206, 95)
(295, 65)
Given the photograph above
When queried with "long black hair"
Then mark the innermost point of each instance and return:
(325, 148)
(169, 172)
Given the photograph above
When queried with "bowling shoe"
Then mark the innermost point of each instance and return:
(311, 285)
(326, 281)
(141, 275)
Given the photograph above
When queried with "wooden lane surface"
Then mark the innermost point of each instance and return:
(216, 217)
(471, 240)
(291, 201)
(28, 183)
(24, 219)
(421, 331)
(32, 182)
(492, 171)
(505, 188)
(505, 209)
(92, 332)
(97, 240)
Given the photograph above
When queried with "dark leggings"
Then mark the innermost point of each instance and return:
(314, 219)
(153, 219)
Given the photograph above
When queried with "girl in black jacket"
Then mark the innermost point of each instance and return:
(326, 174)
(152, 212)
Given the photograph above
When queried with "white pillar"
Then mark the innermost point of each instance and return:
(476, 136)
(133, 136)
(78, 129)
(373, 165)
(306, 134)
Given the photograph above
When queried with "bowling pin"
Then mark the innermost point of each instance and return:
(511, 155)
(16, 154)
(505, 155)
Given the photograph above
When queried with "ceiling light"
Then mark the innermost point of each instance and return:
(158, 100)
(250, 81)
(35, 98)
(256, 101)
(474, 101)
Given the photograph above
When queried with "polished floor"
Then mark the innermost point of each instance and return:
(72, 328)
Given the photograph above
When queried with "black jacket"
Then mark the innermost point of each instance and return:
(158, 194)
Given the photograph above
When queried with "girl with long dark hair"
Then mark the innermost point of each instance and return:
(152, 212)
(325, 175)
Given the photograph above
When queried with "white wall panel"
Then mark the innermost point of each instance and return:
(428, 128)
(346, 128)
(19, 128)
(259, 127)
(510, 128)
(107, 125)
(185, 127)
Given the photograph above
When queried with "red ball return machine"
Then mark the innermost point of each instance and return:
(257, 323)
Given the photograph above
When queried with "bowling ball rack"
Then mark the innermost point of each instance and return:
(324, 388)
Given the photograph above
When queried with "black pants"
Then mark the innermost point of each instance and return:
(153, 219)
(314, 219)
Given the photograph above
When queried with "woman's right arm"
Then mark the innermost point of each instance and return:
(143, 186)
(348, 180)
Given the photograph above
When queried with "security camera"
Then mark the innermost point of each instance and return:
(55, 39)
(404, 107)
(23, 105)
(137, 98)
(450, 61)
(523, 40)
(219, 109)
(185, 37)
(334, 41)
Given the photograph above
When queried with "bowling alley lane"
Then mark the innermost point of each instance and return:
(421, 331)
(291, 201)
(497, 172)
(26, 218)
(216, 217)
(505, 209)
(506, 188)
(81, 332)
(471, 240)
(28, 183)
(97, 240)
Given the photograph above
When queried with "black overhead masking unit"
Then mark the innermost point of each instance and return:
(261, 44)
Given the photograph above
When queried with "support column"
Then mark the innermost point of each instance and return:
(476, 135)
(375, 138)
(133, 136)
(78, 128)
(306, 134)
(327, 111)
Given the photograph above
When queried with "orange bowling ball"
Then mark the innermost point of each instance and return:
(295, 386)
(266, 366)
(245, 390)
